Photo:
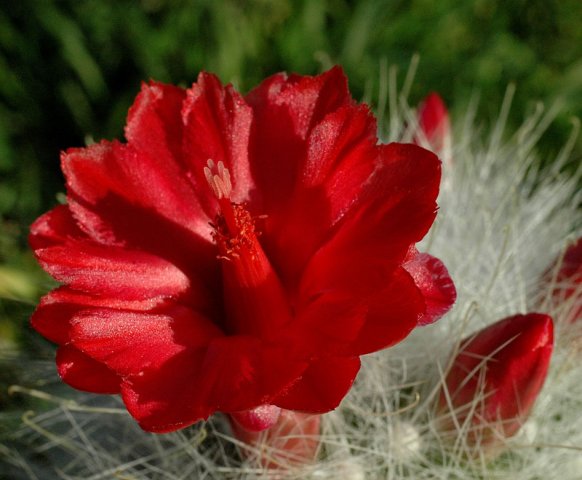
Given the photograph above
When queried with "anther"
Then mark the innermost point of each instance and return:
(218, 178)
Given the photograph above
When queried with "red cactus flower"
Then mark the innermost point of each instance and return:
(496, 377)
(237, 251)
(434, 125)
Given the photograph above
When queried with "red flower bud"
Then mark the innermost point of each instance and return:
(495, 379)
(434, 125)
(567, 283)
(292, 440)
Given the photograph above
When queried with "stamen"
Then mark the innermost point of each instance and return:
(218, 178)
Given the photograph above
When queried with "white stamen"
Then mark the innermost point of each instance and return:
(218, 177)
(211, 182)
(225, 175)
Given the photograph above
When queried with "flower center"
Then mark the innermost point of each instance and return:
(255, 301)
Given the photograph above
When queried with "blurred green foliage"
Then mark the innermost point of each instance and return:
(69, 69)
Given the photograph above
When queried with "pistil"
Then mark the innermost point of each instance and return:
(254, 298)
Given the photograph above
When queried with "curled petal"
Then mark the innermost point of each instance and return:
(52, 317)
(392, 314)
(55, 227)
(257, 419)
(340, 157)
(433, 280)
(342, 323)
(167, 398)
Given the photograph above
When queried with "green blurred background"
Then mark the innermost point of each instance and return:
(69, 69)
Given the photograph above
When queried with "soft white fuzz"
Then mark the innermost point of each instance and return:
(501, 225)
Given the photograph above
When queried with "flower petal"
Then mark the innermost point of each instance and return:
(232, 374)
(124, 197)
(84, 373)
(131, 342)
(167, 399)
(114, 271)
(322, 386)
(217, 126)
(433, 280)
(331, 321)
(285, 109)
(341, 155)
(56, 309)
(392, 315)
(240, 372)
(54, 228)
(153, 121)
(373, 240)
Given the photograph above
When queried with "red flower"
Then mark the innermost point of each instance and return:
(237, 251)
(496, 377)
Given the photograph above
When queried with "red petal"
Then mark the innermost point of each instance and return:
(218, 123)
(285, 110)
(84, 373)
(331, 321)
(54, 228)
(123, 196)
(132, 342)
(322, 386)
(167, 399)
(154, 124)
(52, 319)
(52, 316)
(341, 155)
(242, 373)
(233, 374)
(433, 280)
(393, 313)
(373, 240)
(113, 271)
(257, 419)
